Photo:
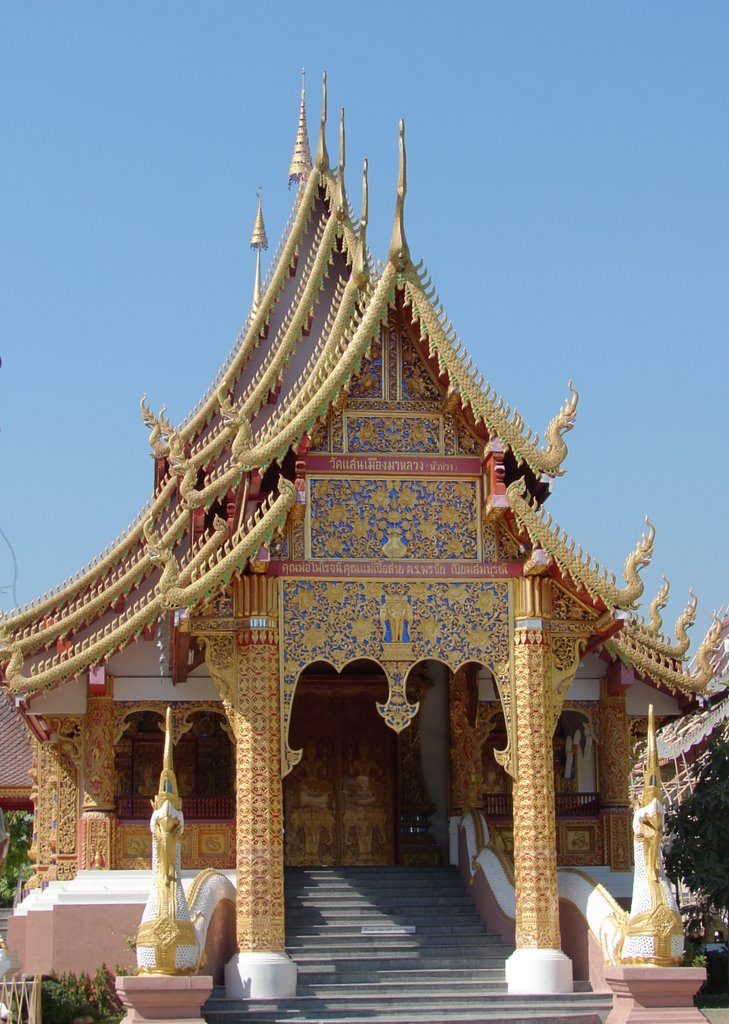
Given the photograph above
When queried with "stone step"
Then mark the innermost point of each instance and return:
(422, 928)
(313, 974)
(449, 970)
(447, 989)
(369, 1008)
(453, 885)
(355, 961)
(388, 942)
(375, 899)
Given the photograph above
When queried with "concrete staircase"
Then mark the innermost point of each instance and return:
(395, 945)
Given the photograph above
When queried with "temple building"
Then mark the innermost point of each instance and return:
(348, 588)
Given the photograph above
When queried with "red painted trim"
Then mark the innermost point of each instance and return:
(394, 464)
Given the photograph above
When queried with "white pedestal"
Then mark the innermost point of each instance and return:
(260, 976)
(538, 972)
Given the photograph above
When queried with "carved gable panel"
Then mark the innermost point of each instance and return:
(406, 518)
(421, 435)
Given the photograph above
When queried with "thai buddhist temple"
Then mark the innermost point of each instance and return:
(378, 648)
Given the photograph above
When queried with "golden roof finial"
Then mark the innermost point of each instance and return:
(360, 271)
(322, 157)
(399, 254)
(167, 780)
(652, 780)
(340, 196)
(301, 158)
(259, 240)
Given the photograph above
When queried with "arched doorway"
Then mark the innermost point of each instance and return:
(341, 800)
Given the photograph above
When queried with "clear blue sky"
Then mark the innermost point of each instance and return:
(568, 189)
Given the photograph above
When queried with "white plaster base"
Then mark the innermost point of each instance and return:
(538, 972)
(260, 976)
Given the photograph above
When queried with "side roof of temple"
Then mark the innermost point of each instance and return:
(225, 477)
(16, 756)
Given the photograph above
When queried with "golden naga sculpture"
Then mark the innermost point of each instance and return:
(166, 939)
(653, 932)
(160, 427)
(631, 646)
(576, 564)
(650, 635)
(474, 391)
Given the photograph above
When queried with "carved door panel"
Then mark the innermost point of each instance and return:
(339, 800)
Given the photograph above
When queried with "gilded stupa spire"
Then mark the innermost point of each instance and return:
(360, 272)
(259, 240)
(340, 196)
(322, 157)
(399, 254)
(301, 157)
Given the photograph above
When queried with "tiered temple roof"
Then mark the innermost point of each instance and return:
(16, 756)
(225, 478)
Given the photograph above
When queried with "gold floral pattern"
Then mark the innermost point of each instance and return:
(338, 622)
(418, 434)
(435, 519)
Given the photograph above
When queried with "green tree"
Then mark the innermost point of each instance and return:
(697, 834)
(20, 826)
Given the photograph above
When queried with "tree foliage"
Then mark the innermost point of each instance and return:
(697, 833)
(19, 825)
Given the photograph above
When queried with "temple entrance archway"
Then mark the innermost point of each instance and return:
(341, 802)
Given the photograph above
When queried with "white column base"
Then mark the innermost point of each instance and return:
(260, 976)
(538, 972)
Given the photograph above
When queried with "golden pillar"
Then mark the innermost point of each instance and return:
(54, 848)
(242, 654)
(538, 964)
(255, 719)
(614, 766)
(99, 780)
(535, 831)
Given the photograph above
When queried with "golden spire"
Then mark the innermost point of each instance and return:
(322, 157)
(652, 780)
(360, 272)
(301, 158)
(259, 240)
(167, 780)
(399, 254)
(340, 196)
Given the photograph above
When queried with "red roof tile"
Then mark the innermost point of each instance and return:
(16, 757)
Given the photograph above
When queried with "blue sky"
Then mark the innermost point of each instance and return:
(568, 169)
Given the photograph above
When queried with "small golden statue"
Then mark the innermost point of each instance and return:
(654, 932)
(167, 942)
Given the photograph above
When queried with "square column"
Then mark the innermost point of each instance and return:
(243, 656)
(538, 965)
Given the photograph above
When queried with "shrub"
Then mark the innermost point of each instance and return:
(67, 997)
